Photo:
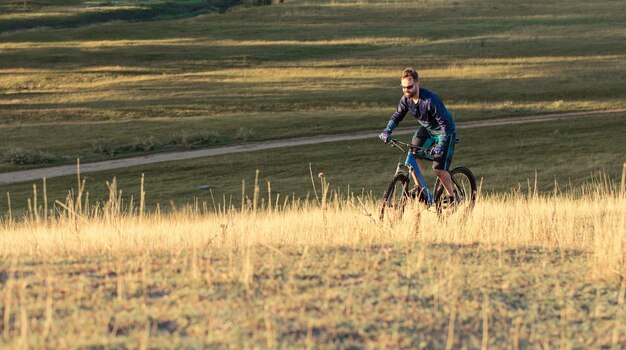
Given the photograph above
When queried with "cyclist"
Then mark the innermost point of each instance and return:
(437, 126)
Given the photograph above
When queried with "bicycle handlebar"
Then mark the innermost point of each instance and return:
(396, 143)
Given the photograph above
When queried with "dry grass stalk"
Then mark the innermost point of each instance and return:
(591, 221)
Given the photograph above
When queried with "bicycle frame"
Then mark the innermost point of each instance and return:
(410, 166)
(398, 190)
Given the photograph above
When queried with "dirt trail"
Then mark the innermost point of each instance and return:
(50, 172)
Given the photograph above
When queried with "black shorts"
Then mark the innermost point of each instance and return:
(423, 138)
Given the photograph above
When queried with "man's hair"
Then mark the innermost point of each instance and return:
(409, 72)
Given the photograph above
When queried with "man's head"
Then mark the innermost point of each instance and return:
(410, 83)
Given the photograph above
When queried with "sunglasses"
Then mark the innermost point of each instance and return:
(408, 87)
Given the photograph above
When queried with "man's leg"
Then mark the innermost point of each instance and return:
(422, 138)
(446, 181)
(442, 163)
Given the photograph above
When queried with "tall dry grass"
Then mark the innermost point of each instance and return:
(590, 220)
(522, 268)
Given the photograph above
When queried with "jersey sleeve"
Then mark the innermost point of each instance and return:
(443, 119)
(397, 116)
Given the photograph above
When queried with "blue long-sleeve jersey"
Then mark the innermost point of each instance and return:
(429, 111)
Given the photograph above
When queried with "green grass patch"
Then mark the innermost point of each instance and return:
(114, 139)
(30, 15)
(302, 69)
(504, 158)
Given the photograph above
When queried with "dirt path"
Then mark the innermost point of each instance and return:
(35, 174)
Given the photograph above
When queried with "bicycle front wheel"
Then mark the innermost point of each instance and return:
(395, 198)
(465, 186)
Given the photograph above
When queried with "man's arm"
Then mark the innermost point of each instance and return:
(397, 116)
(444, 119)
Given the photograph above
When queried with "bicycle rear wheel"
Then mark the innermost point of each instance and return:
(395, 198)
(465, 186)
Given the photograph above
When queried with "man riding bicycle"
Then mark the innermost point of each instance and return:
(437, 126)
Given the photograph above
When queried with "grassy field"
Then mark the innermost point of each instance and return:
(519, 271)
(17, 15)
(266, 263)
(505, 158)
(117, 89)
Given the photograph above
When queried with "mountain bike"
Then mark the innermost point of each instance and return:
(398, 193)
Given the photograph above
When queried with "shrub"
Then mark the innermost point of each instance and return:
(186, 140)
(19, 156)
(145, 144)
(244, 134)
(139, 144)
(103, 147)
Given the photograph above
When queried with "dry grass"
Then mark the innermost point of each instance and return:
(590, 221)
(529, 270)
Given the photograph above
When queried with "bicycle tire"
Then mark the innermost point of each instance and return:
(465, 186)
(393, 203)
